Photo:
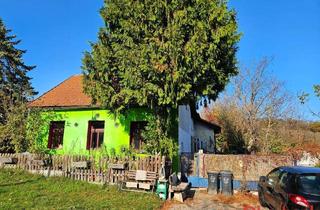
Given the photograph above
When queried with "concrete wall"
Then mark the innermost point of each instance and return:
(243, 167)
(116, 130)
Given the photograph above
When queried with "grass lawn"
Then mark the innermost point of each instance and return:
(21, 190)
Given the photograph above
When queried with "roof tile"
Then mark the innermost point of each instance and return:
(69, 93)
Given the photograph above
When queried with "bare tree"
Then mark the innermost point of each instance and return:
(261, 98)
(258, 114)
(304, 97)
(253, 108)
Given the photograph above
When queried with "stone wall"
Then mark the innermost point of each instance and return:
(243, 167)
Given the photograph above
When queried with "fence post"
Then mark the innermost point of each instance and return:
(201, 164)
(162, 165)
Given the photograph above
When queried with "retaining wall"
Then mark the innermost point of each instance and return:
(243, 167)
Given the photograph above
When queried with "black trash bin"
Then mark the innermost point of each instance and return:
(226, 182)
(213, 182)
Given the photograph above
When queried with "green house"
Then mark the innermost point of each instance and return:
(74, 126)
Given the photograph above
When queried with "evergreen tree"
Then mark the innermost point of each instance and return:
(161, 54)
(15, 90)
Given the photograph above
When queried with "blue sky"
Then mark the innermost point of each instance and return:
(56, 33)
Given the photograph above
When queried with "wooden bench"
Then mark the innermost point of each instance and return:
(42, 163)
(80, 165)
(139, 180)
(178, 188)
(8, 161)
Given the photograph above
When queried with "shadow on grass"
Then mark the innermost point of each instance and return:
(22, 182)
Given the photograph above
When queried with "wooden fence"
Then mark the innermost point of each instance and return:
(78, 167)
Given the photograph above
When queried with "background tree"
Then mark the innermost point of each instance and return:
(252, 113)
(15, 90)
(161, 54)
(304, 97)
(262, 99)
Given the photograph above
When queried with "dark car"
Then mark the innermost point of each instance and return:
(290, 188)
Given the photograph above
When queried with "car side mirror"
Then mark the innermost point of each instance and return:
(270, 182)
(263, 179)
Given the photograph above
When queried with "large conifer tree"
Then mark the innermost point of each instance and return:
(15, 90)
(161, 54)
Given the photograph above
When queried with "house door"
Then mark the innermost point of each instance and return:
(136, 129)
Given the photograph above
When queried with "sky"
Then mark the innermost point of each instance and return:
(56, 33)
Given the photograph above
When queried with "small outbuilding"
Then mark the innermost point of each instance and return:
(196, 133)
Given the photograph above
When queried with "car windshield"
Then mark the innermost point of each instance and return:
(309, 183)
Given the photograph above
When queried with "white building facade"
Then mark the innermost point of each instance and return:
(195, 133)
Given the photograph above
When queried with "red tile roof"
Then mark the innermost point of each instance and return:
(69, 93)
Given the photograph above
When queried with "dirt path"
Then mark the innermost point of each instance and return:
(202, 200)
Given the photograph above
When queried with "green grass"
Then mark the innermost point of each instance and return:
(21, 190)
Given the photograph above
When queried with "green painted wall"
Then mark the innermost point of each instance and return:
(116, 131)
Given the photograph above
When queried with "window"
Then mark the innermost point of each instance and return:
(196, 145)
(284, 179)
(136, 129)
(309, 183)
(273, 176)
(95, 134)
(56, 131)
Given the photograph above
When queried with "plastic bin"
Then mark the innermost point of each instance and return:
(213, 182)
(226, 182)
(162, 189)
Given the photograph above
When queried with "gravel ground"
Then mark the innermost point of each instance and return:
(202, 200)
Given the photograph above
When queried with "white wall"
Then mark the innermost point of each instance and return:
(185, 128)
(308, 160)
(205, 135)
(191, 131)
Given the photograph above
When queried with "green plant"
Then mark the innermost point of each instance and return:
(128, 152)
(12, 133)
(112, 152)
(37, 128)
(157, 141)
(231, 139)
(276, 146)
(100, 152)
